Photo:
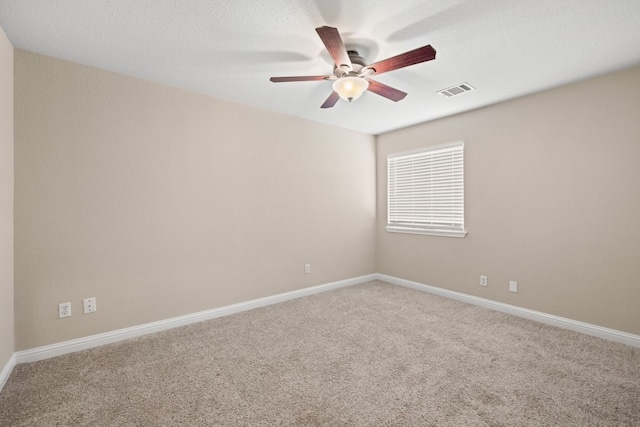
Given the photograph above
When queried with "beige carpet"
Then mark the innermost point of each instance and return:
(367, 355)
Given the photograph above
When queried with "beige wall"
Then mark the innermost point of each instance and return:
(552, 201)
(161, 202)
(6, 200)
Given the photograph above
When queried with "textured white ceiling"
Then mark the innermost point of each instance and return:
(230, 48)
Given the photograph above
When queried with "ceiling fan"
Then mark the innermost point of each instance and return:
(351, 74)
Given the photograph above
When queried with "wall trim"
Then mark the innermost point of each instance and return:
(58, 349)
(6, 371)
(549, 319)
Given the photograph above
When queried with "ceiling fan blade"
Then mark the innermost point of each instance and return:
(387, 91)
(297, 79)
(415, 56)
(333, 42)
(331, 100)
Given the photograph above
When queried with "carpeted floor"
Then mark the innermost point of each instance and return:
(367, 355)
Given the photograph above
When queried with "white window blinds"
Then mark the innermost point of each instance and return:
(426, 191)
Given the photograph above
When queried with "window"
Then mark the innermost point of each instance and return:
(425, 191)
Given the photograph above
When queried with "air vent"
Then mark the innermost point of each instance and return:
(456, 90)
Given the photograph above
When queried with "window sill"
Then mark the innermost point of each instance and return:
(441, 233)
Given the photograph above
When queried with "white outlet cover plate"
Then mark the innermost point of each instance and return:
(89, 305)
(64, 310)
(513, 286)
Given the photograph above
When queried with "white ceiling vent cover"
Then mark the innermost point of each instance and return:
(456, 90)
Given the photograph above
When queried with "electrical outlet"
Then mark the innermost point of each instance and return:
(89, 305)
(513, 286)
(307, 268)
(64, 310)
(483, 280)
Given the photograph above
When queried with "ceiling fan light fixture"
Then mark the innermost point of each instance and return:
(351, 74)
(350, 87)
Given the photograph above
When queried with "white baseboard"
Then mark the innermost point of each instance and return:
(65, 347)
(58, 349)
(549, 319)
(6, 371)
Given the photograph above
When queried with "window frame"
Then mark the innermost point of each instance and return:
(423, 222)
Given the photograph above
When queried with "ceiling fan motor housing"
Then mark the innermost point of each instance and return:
(357, 64)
